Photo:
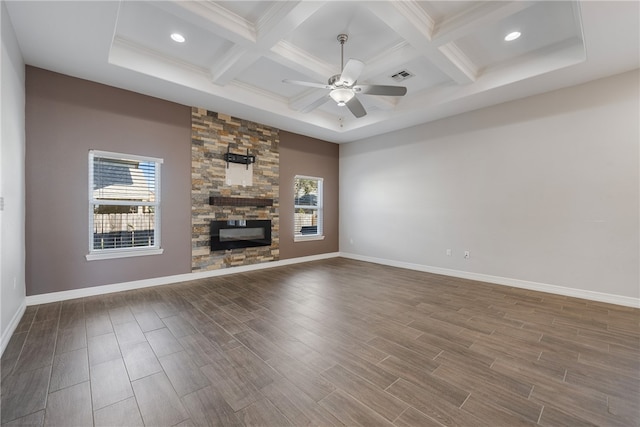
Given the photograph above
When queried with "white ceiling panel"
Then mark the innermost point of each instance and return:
(150, 27)
(238, 52)
(368, 36)
(425, 75)
(268, 75)
(440, 11)
(542, 25)
(249, 10)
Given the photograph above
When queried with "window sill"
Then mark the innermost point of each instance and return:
(307, 238)
(123, 254)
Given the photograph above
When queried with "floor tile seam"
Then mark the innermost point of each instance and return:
(540, 416)
(380, 361)
(133, 390)
(55, 345)
(397, 344)
(69, 386)
(91, 393)
(576, 411)
(482, 391)
(608, 394)
(624, 371)
(93, 412)
(46, 409)
(274, 405)
(516, 414)
(366, 405)
(46, 395)
(384, 390)
(415, 409)
(614, 334)
(212, 320)
(465, 400)
(23, 346)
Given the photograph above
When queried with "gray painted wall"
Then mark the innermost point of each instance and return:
(543, 189)
(12, 180)
(65, 118)
(302, 155)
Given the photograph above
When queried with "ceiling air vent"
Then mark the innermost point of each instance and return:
(402, 75)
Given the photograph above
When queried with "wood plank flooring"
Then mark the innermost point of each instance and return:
(334, 342)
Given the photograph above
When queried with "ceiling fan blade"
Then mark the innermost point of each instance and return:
(356, 107)
(315, 104)
(351, 72)
(309, 84)
(381, 90)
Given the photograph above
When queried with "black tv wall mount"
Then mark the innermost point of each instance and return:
(238, 158)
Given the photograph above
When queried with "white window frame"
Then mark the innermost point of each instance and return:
(156, 249)
(320, 208)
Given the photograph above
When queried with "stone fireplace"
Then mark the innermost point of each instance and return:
(218, 201)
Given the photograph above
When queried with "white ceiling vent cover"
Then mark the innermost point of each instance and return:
(402, 75)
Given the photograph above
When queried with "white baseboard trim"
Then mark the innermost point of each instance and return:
(166, 280)
(516, 283)
(7, 333)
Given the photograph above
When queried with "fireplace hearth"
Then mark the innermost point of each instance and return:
(234, 234)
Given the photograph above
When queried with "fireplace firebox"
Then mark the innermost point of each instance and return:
(239, 233)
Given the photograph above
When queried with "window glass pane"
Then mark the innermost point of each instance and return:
(307, 206)
(306, 192)
(123, 226)
(124, 202)
(306, 221)
(115, 179)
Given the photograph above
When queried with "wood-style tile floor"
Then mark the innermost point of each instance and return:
(335, 342)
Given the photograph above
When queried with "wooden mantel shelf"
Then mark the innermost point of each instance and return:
(239, 201)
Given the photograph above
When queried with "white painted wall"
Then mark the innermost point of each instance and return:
(544, 190)
(12, 184)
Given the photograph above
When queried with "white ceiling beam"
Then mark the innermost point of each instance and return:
(232, 63)
(278, 21)
(281, 19)
(307, 98)
(388, 59)
(458, 58)
(413, 24)
(419, 19)
(300, 60)
(479, 16)
(213, 17)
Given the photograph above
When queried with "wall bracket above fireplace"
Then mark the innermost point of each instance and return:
(238, 158)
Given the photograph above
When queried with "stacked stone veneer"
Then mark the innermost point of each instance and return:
(211, 133)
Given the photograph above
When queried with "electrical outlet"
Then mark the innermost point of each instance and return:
(467, 255)
(448, 252)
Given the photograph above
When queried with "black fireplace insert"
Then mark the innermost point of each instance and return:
(239, 233)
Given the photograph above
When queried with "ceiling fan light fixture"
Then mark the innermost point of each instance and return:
(341, 96)
(178, 38)
(512, 36)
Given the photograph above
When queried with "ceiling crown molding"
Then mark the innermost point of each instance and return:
(460, 60)
(238, 29)
(419, 18)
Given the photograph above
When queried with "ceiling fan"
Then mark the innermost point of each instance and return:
(343, 86)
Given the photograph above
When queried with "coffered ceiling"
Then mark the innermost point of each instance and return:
(237, 53)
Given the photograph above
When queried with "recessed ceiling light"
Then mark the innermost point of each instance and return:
(512, 36)
(178, 38)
